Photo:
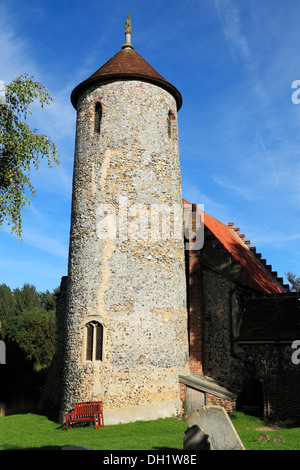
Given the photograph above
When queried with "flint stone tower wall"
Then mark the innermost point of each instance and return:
(135, 288)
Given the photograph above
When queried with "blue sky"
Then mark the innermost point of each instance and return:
(234, 63)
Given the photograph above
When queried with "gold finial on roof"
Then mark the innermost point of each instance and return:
(128, 32)
(128, 29)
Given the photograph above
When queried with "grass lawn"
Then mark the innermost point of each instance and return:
(32, 431)
(249, 427)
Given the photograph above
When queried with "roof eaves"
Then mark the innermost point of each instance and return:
(107, 78)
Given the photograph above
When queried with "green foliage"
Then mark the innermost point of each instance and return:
(7, 303)
(34, 332)
(47, 299)
(294, 281)
(26, 298)
(27, 319)
(21, 148)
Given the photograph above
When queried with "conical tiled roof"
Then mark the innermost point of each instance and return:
(127, 61)
(126, 64)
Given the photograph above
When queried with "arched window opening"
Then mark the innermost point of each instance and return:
(98, 117)
(171, 122)
(94, 341)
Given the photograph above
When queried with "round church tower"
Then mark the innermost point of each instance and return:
(126, 318)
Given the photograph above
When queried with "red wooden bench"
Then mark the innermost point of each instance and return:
(84, 412)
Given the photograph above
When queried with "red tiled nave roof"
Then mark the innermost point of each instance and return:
(253, 273)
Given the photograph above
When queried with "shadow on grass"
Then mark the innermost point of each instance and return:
(8, 448)
(170, 449)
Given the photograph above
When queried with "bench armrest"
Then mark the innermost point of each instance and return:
(70, 415)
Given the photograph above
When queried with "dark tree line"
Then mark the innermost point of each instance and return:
(27, 318)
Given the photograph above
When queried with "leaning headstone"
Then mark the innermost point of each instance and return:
(214, 421)
(195, 439)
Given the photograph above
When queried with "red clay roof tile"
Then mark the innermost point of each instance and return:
(253, 273)
(125, 65)
(127, 61)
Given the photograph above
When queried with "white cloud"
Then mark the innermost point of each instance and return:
(58, 119)
(14, 58)
(273, 238)
(241, 189)
(232, 28)
(194, 195)
(35, 236)
(39, 240)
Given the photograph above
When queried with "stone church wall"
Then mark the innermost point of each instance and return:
(133, 286)
(219, 360)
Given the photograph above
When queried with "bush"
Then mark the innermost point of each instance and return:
(34, 333)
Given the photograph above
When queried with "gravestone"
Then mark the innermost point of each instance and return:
(2, 353)
(195, 439)
(215, 422)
